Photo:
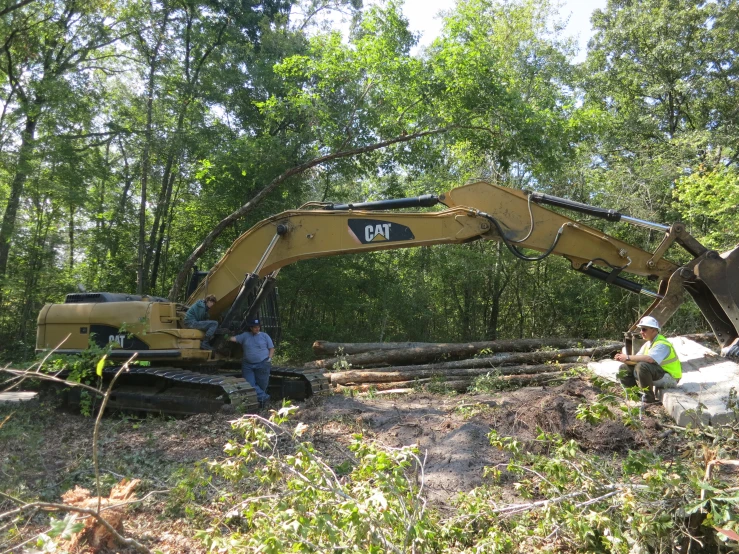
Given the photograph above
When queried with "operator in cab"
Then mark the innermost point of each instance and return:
(655, 365)
(197, 318)
(256, 364)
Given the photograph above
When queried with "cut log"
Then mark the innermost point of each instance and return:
(436, 352)
(326, 348)
(331, 349)
(498, 360)
(460, 385)
(406, 374)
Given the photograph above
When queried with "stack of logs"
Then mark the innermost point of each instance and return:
(397, 367)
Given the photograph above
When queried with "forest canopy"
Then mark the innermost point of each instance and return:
(140, 138)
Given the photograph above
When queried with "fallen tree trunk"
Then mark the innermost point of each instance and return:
(498, 360)
(431, 353)
(460, 385)
(404, 374)
(326, 348)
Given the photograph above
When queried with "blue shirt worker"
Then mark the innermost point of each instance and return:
(197, 318)
(257, 362)
(655, 365)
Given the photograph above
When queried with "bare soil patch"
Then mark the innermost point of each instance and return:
(451, 431)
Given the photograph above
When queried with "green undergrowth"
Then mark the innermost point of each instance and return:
(45, 451)
(549, 496)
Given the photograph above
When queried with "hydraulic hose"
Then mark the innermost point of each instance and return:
(515, 251)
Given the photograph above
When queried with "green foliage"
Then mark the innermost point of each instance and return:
(285, 495)
(709, 200)
(293, 500)
(490, 382)
(60, 528)
(85, 367)
(342, 364)
(190, 493)
(589, 503)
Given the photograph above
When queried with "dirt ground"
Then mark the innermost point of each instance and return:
(48, 451)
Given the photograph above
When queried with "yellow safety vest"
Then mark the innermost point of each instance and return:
(670, 364)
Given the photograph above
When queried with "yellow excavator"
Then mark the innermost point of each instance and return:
(183, 378)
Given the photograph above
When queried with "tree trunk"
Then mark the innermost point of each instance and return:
(145, 161)
(16, 190)
(156, 247)
(433, 352)
(71, 237)
(490, 362)
(323, 348)
(121, 207)
(165, 194)
(141, 269)
(410, 373)
(460, 385)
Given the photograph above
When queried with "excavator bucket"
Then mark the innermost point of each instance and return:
(715, 288)
(712, 279)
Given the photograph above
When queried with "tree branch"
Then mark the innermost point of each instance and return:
(14, 7)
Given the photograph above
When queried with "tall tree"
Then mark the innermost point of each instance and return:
(44, 45)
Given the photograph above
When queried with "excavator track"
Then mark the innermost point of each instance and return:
(296, 383)
(172, 390)
(176, 391)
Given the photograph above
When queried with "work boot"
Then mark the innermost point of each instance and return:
(205, 346)
(648, 397)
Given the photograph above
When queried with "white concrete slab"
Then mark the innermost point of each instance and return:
(7, 397)
(704, 389)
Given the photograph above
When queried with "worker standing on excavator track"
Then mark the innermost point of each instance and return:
(256, 364)
(655, 365)
(197, 318)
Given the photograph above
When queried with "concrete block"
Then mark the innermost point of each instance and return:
(683, 408)
(21, 396)
(724, 418)
(607, 369)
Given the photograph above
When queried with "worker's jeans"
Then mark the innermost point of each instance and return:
(257, 375)
(646, 375)
(208, 325)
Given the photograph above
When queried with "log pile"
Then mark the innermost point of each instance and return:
(397, 367)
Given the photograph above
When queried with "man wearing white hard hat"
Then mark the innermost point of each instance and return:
(656, 363)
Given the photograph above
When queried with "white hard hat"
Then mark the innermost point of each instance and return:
(649, 321)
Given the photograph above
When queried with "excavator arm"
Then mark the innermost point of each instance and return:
(481, 211)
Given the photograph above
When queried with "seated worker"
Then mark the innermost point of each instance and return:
(197, 318)
(655, 365)
(258, 350)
